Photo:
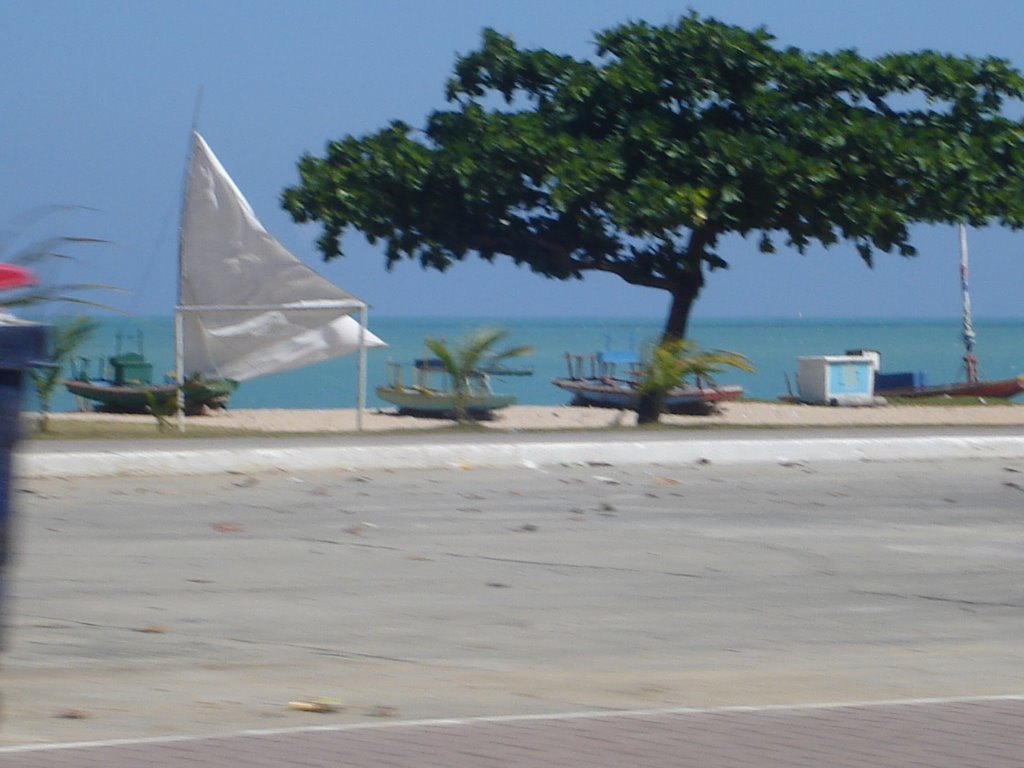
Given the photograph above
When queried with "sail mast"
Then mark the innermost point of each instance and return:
(970, 361)
(179, 319)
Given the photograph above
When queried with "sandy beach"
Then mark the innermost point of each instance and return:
(540, 417)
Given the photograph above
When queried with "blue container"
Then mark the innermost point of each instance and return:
(21, 347)
(914, 379)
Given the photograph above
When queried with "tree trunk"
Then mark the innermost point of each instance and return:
(679, 313)
(648, 410)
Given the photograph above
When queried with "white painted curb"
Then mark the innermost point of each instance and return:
(204, 461)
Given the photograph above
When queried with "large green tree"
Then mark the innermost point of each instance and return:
(639, 161)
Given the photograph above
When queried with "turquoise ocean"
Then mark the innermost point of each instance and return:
(773, 346)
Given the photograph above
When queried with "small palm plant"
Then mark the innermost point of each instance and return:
(674, 361)
(462, 362)
(162, 409)
(26, 291)
(65, 339)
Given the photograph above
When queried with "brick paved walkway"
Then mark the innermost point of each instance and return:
(981, 733)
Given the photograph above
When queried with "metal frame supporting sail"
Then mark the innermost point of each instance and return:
(364, 341)
(248, 307)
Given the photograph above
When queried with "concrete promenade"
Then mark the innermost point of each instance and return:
(99, 458)
(758, 598)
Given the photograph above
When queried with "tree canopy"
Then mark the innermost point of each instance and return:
(639, 160)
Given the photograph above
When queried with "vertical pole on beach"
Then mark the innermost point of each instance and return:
(179, 365)
(970, 361)
(361, 397)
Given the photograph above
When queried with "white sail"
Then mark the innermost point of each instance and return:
(250, 307)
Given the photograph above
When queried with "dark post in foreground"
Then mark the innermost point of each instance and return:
(21, 346)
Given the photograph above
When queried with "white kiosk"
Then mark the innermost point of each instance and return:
(836, 380)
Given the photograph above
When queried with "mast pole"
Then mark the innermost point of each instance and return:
(361, 394)
(179, 365)
(970, 361)
(179, 319)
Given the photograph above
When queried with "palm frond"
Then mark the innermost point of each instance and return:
(55, 293)
(671, 363)
(478, 344)
(27, 219)
(505, 354)
(46, 250)
(71, 334)
(65, 338)
(43, 250)
(440, 349)
(463, 360)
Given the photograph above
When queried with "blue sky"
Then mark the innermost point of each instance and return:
(98, 97)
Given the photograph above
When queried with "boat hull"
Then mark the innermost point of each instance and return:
(1001, 389)
(420, 401)
(607, 392)
(114, 398)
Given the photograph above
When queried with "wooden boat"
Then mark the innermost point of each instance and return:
(125, 385)
(894, 385)
(247, 307)
(429, 393)
(914, 384)
(132, 398)
(605, 387)
(611, 392)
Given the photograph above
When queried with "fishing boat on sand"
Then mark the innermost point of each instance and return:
(429, 392)
(915, 383)
(123, 383)
(247, 307)
(613, 382)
